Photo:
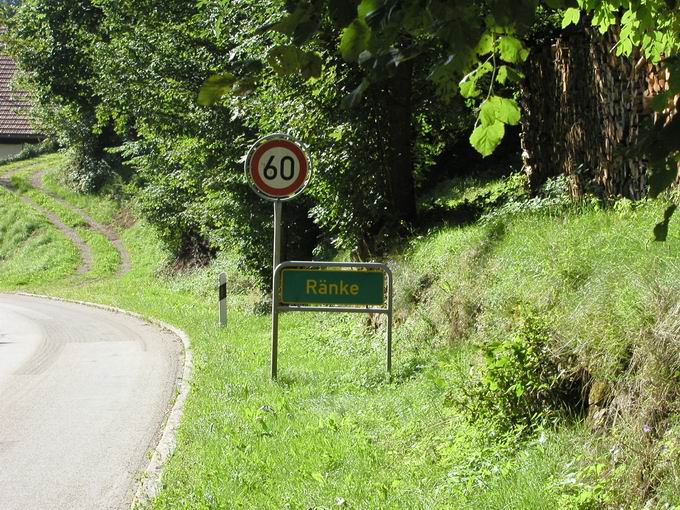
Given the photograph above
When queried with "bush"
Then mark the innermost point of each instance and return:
(86, 172)
(522, 384)
(465, 200)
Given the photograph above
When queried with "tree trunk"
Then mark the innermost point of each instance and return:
(401, 137)
(583, 106)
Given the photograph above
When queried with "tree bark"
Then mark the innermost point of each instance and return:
(401, 137)
(583, 107)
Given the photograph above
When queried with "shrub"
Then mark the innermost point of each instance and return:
(521, 383)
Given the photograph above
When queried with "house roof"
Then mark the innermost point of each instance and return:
(14, 105)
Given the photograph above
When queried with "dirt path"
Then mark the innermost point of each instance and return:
(108, 232)
(83, 247)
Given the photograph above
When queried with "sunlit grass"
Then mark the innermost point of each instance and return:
(332, 432)
(32, 251)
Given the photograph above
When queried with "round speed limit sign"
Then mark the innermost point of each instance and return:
(278, 167)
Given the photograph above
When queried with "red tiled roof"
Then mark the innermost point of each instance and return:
(14, 105)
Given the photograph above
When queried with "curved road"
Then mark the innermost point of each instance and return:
(83, 396)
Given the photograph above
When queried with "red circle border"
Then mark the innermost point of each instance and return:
(278, 192)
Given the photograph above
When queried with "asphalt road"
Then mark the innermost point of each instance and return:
(83, 396)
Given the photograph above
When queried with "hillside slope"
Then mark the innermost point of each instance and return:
(536, 366)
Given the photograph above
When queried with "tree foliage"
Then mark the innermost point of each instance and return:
(375, 88)
(138, 86)
(478, 48)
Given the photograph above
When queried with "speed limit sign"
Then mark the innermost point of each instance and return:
(278, 167)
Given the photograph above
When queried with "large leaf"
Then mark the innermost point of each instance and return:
(502, 109)
(215, 88)
(507, 73)
(366, 7)
(571, 17)
(310, 65)
(661, 228)
(485, 138)
(284, 59)
(354, 40)
(512, 50)
(468, 85)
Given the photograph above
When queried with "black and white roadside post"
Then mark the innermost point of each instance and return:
(222, 295)
(278, 169)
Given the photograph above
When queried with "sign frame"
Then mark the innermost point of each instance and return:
(322, 272)
(253, 157)
(278, 307)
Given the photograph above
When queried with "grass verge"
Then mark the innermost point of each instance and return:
(31, 249)
(333, 433)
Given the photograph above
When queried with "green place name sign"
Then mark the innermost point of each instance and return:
(332, 287)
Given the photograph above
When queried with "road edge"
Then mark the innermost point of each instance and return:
(149, 481)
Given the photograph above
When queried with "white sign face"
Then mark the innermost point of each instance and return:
(278, 168)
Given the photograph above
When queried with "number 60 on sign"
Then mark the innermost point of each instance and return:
(278, 168)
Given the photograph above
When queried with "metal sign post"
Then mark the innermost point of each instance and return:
(344, 300)
(278, 169)
(278, 206)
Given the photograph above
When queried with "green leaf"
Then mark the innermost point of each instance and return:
(485, 44)
(485, 138)
(288, 59)
(468, 89)
(305, 30)
(502, 75)
(215, 87)
(468, 85)
(286, 26)
(310, 65)
(499, 109)
(512, 50)
(284, 59)
(366, 7)
(507, 110)
(662, 174)
(661, 228)
(507, 73)
(354, 40)
(487, 114)
(571, 17)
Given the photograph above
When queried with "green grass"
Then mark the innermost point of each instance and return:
(106, 258)
(38, 162)
(31, 250)
(101, 208)
(333, 432)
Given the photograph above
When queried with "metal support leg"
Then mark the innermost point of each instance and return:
(389, 324)
(275, 301)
